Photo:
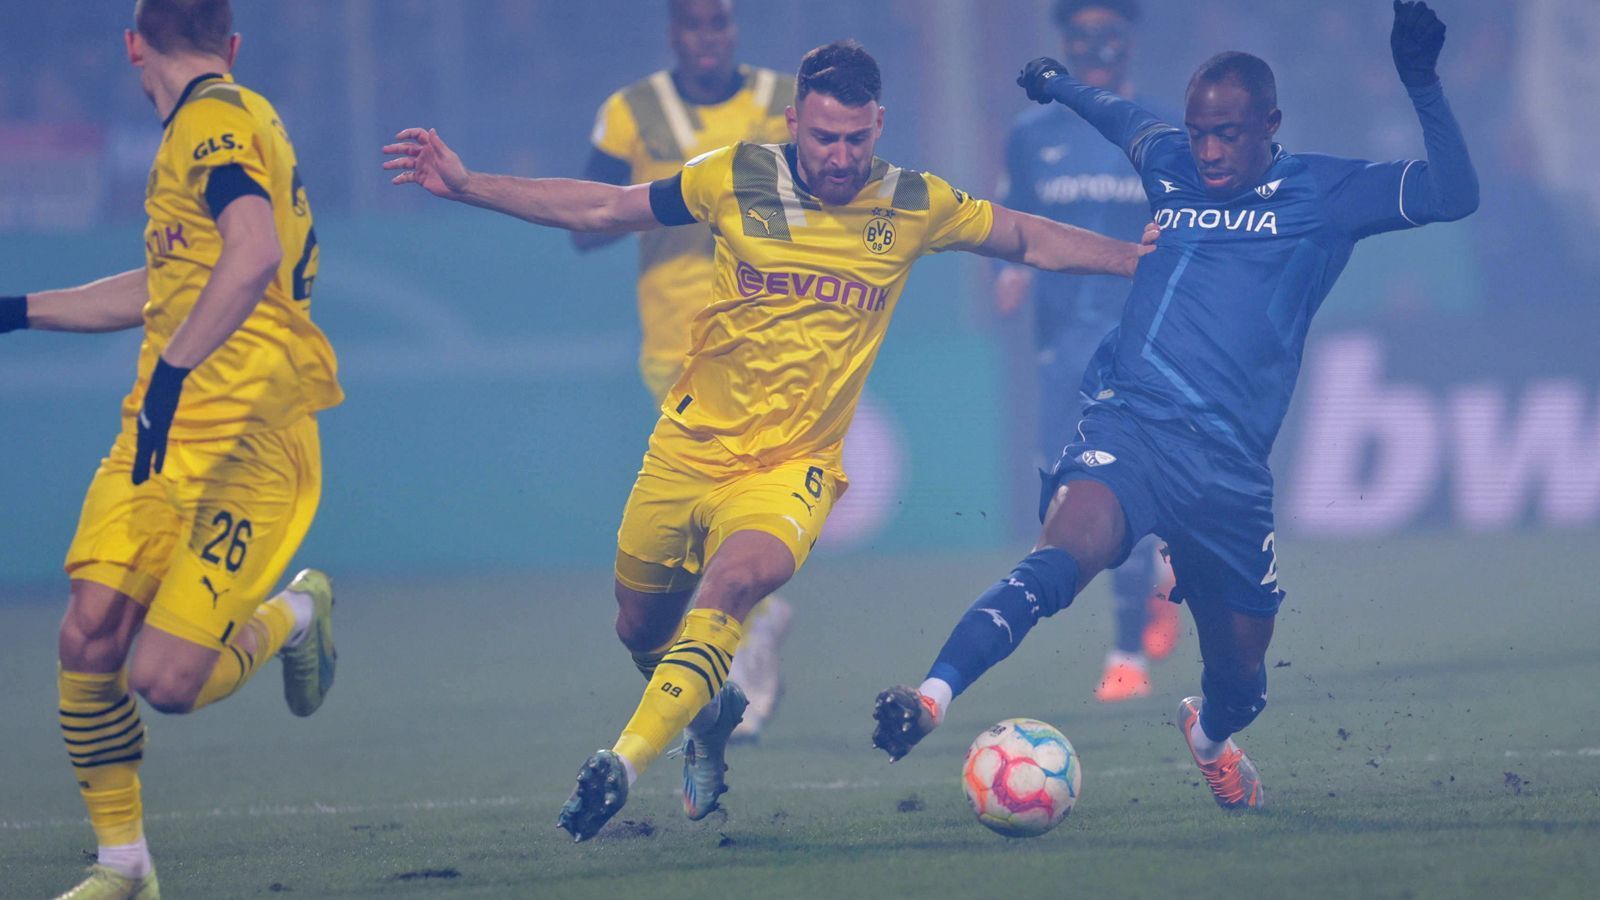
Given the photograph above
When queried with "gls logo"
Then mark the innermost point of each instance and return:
(214, 144)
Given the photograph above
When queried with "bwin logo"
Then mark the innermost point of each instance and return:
(1267, 190)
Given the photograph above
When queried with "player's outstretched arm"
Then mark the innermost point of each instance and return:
(1444, 188)
(1043, 244)
(421, 157)
(113, 303)
(1122, 122)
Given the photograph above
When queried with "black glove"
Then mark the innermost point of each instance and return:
(155, 419)
(13, 313)
(1036, 78)
(1416, 40)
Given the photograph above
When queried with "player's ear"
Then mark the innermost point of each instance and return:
(880, 120)
(134, 42)
(1274, 119)
(233, 48)
(791, 118)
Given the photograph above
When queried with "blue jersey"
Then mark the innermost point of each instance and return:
(1215, 325)
(1059, 167)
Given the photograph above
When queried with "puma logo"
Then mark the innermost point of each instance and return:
(205, 580)
(802, 500)
(766, 221)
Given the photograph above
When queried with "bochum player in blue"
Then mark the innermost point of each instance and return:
(1185, 399)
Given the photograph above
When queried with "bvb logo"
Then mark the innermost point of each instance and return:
(878, 235)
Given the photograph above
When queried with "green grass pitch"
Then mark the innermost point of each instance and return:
(1434, 730)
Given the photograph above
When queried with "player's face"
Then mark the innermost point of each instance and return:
(1098, 43)
(702, 35)
(1230, 137)
(834, 144)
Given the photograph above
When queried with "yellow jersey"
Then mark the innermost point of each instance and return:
(803, 295)
(655, 131)
(278, 366)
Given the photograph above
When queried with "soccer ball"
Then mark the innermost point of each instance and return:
(1021, 777)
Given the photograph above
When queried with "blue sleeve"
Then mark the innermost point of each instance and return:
(1122, 122)
(1019, 194)
(1371, 198)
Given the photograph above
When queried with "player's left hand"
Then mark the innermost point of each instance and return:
(1036, 78)
(424, 158)
(155, 419)
(1415, 41)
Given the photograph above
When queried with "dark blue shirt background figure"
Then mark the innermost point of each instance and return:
(1215, 325)
(1059, 167)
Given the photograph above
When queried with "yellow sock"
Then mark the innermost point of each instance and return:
(105, 741)
(691, 672)
(647, 661)
(258, 641)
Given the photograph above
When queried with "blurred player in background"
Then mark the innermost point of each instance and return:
(215, 476)
(1058, 167)
(1189, 392)
(815, 240)
(648, 130)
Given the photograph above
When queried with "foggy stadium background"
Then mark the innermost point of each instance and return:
(494, 415)
(495, 419)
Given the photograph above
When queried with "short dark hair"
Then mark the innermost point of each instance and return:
(1248, 71)
(173, 26)
(1066, 9)
(843, 70)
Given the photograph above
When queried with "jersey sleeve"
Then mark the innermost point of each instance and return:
(956, 219)
(1017, 189)
(1141, 134)
(615, 132)
(697, 188)
(222, 149)
(1365, 198)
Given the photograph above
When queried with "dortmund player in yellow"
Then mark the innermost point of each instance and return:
(815, 239)
(646, 131)
(215, 476)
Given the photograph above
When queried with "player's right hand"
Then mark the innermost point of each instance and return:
(1036, 78)
(155, 419)
(425, 159)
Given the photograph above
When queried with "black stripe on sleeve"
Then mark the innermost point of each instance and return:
(607, 169)
(666, 201)
(227, 184)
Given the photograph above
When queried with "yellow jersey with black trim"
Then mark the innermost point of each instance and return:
(652, 128)
(278, 366)
(803, 295)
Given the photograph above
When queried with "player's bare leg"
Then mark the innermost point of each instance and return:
(1083, 532)
(1234, 646)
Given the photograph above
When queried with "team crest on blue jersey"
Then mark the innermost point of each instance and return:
(1267, 190)
(1092, 458)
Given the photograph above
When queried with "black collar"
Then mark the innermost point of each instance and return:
(735, 85)
(793, 158)
(187, 90)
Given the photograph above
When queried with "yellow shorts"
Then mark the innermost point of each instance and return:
(202, 544)
(692, 494)
(659, 375)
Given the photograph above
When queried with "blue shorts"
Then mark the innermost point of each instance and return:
(1212, 506)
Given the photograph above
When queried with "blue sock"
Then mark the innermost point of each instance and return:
(1231, 703)
(1043, 584)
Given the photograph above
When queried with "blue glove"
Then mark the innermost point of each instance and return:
(1416, 40)
(155, 419)
(13, 313)
(1037, 76)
